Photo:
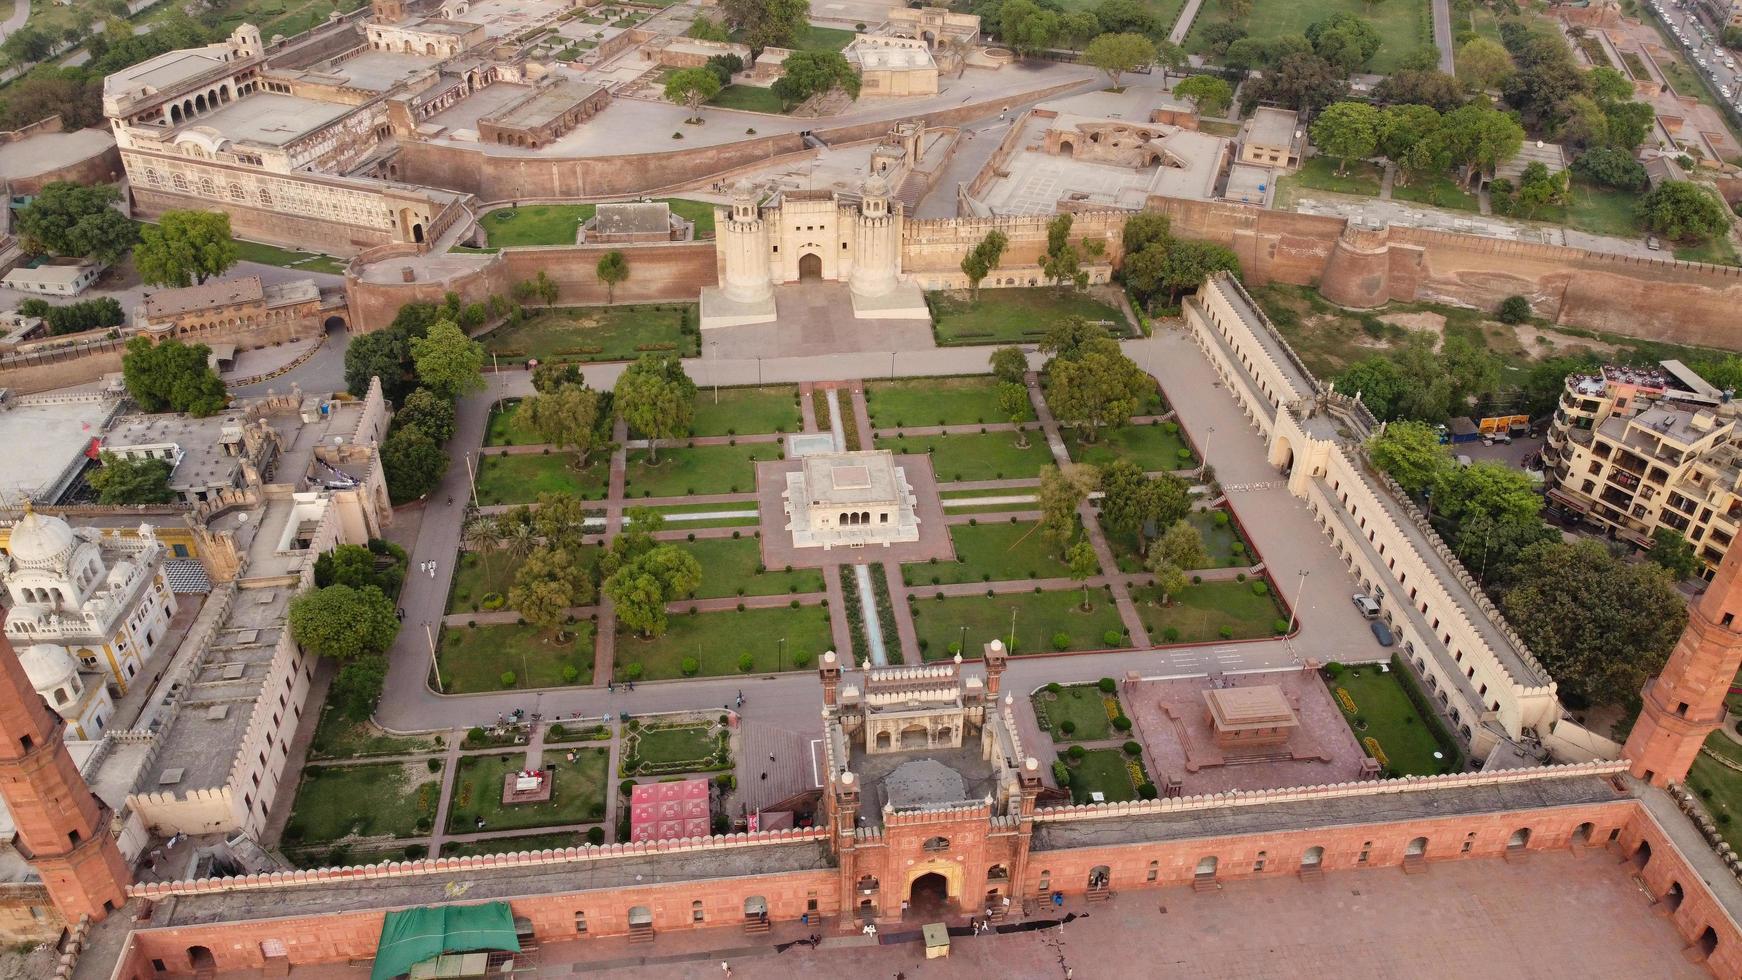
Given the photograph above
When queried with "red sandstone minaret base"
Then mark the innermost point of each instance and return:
(1685, 702)
(63, 829)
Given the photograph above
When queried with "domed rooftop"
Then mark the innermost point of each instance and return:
(47, 665)
(41, 540)
(875, 186)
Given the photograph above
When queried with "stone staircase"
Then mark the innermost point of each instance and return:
(642, 933)
(1205, 883)
(1099, 893)
(1414, 864)
(913, 187)
(1312, 873)
(756, 925)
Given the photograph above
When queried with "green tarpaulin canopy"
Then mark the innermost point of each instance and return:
(415, 935)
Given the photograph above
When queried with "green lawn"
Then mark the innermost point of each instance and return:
(746, 411)
(536, 224)
(1718, 251)
(288, 258)
(1219, 541)
(1403, 735)
(504, 429)
(815, 38)
(704, 469)
(718, 639)
(1103, 771)
(473, 659)
(1602, 211)
(976, 456)
(475, 577)
(1200, 612)
(1320, 174)
(1039, 618)
(1015, 315)
(509, 845)
(731, 564)
(337, 737)
(681, 748)
(935, 401)
(577, 797)
(1399, 25)
(991, 552)
(1437, 191)
(558, 224)
(1084, 706)
(378, 800)
(1719, 788)
(520, 478)
(595, 333)
(1153, 447)
(748, 98)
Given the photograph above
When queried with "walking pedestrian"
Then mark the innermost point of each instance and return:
(771, 757)
(725, 968)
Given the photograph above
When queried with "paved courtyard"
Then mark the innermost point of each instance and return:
(1491, 919)
(1169, 717)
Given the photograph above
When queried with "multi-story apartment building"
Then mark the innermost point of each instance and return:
(1634, 449)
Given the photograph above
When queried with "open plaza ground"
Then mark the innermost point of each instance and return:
(582, 334)
(1018, 315)
(718, 641)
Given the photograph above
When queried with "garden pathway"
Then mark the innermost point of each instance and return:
(906, 633)
(862, 416)
(605, 637)
(868, 613)
(1128, 616)
(839, 628)
(450, 766)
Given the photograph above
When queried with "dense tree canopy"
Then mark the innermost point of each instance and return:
(657, 399)
(1410, 453)
(1684, 211)
(77, 221)
(131, 480)
(1600, 624)
(567, 418)
(1117, 54)
(1211, 95)
(344, 623)
(806, 73)
(690, 87)
(413, 464)
(1301, 81)
(172, 377)
(768, 23)
(185, 248)
(642, 586)
(448, 362)
(1347, 131)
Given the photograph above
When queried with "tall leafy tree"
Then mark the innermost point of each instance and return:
(1684, 211)
(1117, 54)
(1013, 403)
(691, 87)
(1182, 545)
(1010, 364)
(657, 399)
(551, 581)
(185, 248)
(984, 257)
(1062, 490)
(768, 23)
(641, 588)
(383, 354)
(612, 270)
(1211, 95)
(808, 73)
(1347, 131)
(1301, 80)
(344, 623)
(413, 464)
(1483, 64)
(1411, 454)
(77, 221)
(1601, 625)
(1674, 553)
(448, 362)
(1101, 388)
(1082, 565)
(172, 376)
(567, 418)
(428, 411)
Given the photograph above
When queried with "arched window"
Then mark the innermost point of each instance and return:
(236, 193)
(178, 181)
(696, 914)
(60, 696)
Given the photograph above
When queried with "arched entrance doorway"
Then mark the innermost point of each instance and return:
(810, 266)
(334, 324)
(201, 959)
(1282, 455)
(1672, 899)
(929, 897)
(914, 737)
(417, 232)
(1642, 856)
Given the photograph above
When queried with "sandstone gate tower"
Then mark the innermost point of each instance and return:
(1685, 702)
(63, 828)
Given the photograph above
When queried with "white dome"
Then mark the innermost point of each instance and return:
(41, 540)
(47, 665)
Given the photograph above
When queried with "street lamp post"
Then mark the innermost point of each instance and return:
(434, 667)
(892, 365)
(472, 481)
(714, 368)
(780, 657)
(1294, 610)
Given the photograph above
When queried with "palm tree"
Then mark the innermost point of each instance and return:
(484, 536)
(518, 538)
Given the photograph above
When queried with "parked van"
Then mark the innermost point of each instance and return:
(1365, 603)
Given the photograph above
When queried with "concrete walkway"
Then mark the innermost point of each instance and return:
(1443, 37)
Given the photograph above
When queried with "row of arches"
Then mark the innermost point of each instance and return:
(204, 102)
